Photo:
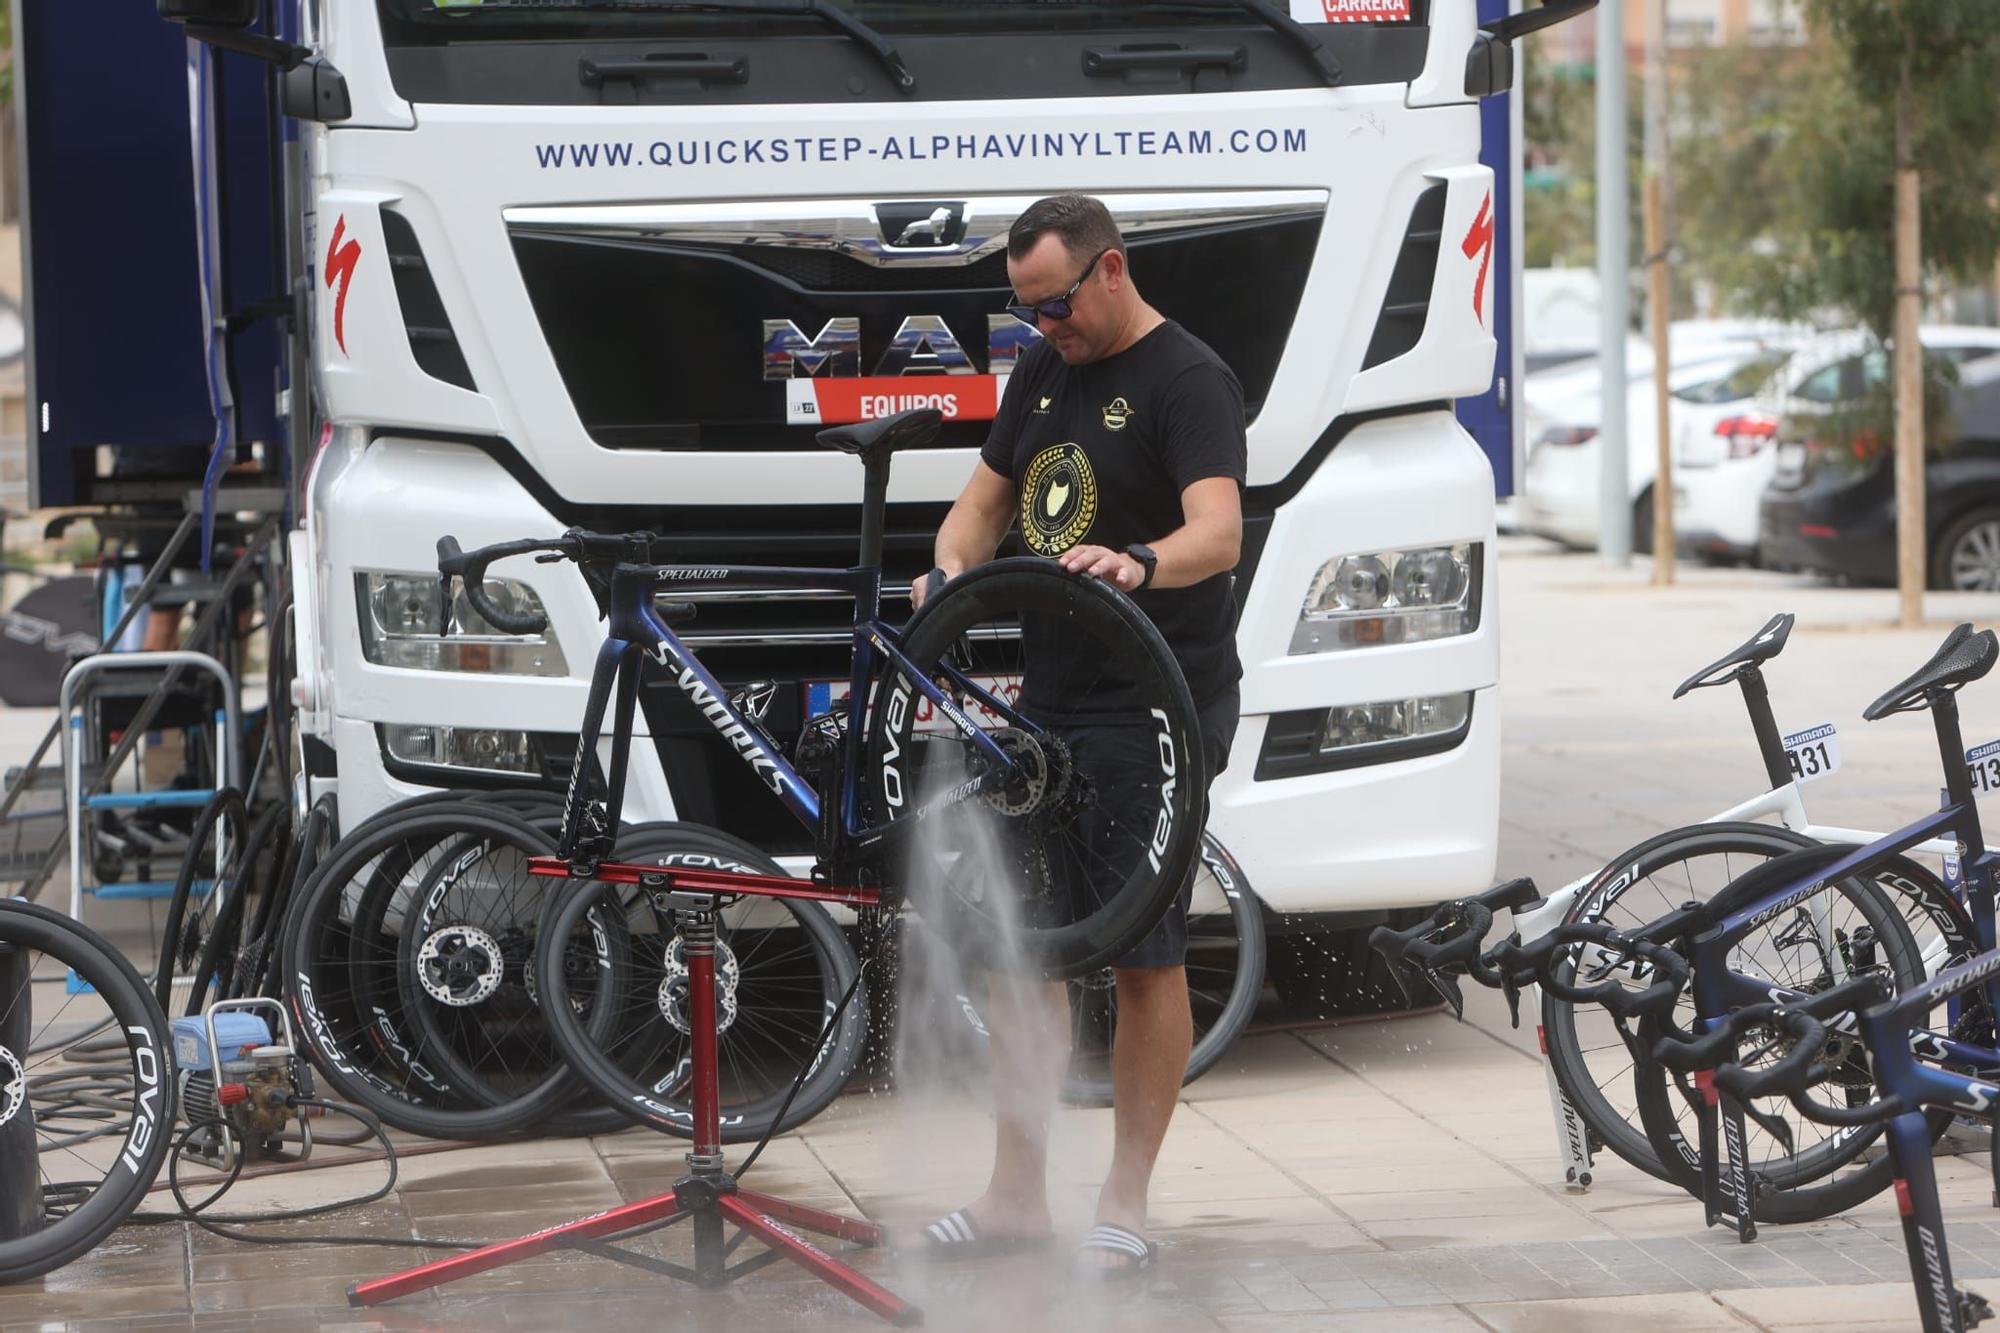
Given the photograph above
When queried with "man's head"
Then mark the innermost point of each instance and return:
(1055, 243)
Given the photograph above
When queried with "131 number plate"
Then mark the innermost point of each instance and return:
(1813, 753)
(1983, 763)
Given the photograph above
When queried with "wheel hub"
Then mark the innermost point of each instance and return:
(1040, 777)
(460, 966)
(13, 1086)
(673, 992)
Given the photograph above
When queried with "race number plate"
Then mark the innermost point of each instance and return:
(1983, 762)
(1813, 753)
(823, 695)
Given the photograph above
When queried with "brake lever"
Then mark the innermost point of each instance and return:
(551, 557)
(1448, 987)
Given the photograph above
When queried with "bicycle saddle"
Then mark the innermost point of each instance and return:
(1962, 658)
(1764, 645)
(872, 440)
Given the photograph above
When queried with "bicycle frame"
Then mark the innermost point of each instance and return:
(638, 627)
(1785, 800)
(1717, 990)
(1890, 1029)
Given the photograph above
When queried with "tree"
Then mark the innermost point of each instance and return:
(1924, 64)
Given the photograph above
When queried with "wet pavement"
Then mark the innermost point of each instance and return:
(1395, 1175)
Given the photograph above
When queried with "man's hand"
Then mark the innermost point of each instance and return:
(1116, 568)
(920, 591)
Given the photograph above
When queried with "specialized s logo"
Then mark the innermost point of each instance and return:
(1479, 242)
(340, 262)
(1058, 499)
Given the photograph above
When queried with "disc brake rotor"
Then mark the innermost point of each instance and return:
(13, 1085)
(673, 991)
(460, 966)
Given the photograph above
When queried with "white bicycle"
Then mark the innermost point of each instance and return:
(1590, 1067)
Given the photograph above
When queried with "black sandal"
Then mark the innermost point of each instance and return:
(956, 1236)
(1112, 1238)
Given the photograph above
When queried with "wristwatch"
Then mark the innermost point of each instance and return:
(1147, 560)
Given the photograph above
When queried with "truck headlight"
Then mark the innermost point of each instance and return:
(1320, 740)
(1361, 601)
(481, 749)
(403, 618)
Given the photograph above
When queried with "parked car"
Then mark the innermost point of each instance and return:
(1828, 512)
(1725, 433)
(1563, 413)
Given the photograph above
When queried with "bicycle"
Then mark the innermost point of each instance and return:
(1804, 1184)
(1888, 1024)
(89, 1118)
(963, 774)
(1589, 1068)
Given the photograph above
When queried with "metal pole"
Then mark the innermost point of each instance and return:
(1659, 295)
(1614, 492)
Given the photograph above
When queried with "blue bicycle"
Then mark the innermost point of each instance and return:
(1039, 808)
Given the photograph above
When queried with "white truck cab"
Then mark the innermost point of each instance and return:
(614, 267)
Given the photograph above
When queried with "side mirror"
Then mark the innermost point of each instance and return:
(210, 13)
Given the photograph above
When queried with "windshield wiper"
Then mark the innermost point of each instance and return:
(1284, 24)
(831, 14)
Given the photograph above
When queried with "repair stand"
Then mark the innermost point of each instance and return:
(708, 1196)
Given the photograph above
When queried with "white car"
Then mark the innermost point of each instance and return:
(1559, 494)
(1724, 433)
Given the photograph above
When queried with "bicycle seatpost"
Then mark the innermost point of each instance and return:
(1957, 780)
(1770, 744)
(874, 507)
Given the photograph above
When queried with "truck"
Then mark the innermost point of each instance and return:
(496, 269)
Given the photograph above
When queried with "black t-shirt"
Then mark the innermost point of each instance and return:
(1099, 454)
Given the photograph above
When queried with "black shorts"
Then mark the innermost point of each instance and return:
(1108, 755)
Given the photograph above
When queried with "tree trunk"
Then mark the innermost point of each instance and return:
(1909, 364)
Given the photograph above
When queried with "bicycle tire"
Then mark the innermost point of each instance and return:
(227, 803)
(1586, 1088)
(137, 1014)
(1225, 981)
(1154, 823)
(334, 966)
(1787, 1191)
(641, 1069)
(216, 965)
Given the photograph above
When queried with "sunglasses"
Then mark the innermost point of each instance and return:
(1056, 307)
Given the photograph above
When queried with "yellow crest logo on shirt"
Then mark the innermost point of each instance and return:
(1116, 413)
(1058, 499)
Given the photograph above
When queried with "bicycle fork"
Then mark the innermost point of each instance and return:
(1944, 1307)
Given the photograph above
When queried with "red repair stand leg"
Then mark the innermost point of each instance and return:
(708, 1194)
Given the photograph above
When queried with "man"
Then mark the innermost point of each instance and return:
(1156, 420)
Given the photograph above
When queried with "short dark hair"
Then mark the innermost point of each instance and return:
(1083, 223)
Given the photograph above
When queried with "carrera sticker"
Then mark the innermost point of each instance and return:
(838, 400)
(1351, 11)
(340, 262)
(1479, 242)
